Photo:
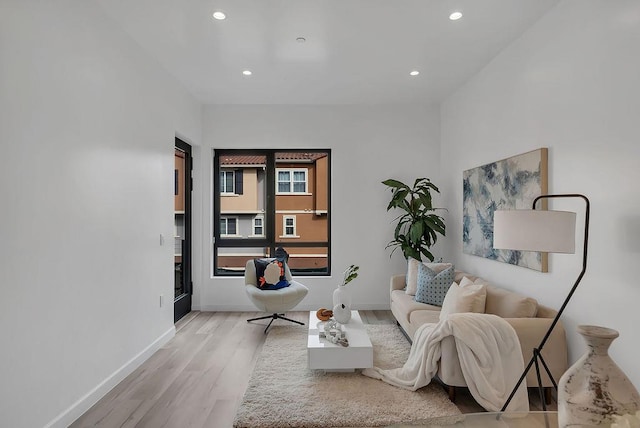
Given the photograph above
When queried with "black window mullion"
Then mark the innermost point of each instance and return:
(216, 209)
(270, 206)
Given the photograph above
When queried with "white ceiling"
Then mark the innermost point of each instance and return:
(356, 51)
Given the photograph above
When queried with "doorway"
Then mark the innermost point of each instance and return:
(183, 185)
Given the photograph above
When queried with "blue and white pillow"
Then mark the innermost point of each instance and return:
(432, 287)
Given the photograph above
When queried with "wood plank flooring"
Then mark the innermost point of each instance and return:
(199, 377)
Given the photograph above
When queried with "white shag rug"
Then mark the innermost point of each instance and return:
(284, 392)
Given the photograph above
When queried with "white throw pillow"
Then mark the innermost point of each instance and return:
(466, 297)
(412, 276)
(412, 273)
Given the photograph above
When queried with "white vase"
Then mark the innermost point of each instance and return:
(595, 389)
(342, 304)
(342, 296)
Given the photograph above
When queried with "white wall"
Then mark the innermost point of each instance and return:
(87, 125)
(571, 84)
(369, 144)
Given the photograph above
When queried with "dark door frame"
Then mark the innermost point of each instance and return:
(182, 303)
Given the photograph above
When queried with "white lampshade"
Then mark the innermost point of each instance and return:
(535, 230)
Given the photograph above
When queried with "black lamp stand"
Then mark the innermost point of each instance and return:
(537, 352)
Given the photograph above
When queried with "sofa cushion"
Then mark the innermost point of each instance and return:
(417, 318)
(459, 275)
(432, 285)
(412, 273)
(412, 276)
(406, 304)
(466, 297)
(507, 304)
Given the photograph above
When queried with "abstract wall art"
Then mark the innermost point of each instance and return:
(511, 183)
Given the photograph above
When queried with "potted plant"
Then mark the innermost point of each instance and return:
(418, 227)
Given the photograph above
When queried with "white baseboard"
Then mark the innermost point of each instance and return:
(251, 308)
(78, 408)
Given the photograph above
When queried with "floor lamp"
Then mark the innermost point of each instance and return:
(544, 231)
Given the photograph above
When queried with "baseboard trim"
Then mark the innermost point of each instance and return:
(78, 408)
(251, 308)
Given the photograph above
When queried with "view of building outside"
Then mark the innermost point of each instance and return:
(299, 216)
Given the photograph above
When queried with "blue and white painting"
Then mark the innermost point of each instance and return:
(511, 183)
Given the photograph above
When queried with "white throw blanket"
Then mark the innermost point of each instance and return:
(490, 358)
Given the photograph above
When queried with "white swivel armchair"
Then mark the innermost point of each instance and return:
(275, 302)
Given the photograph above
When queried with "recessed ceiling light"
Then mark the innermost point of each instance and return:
(301, 40)
(247, 73)
(455, 16)
(414, 73)
(219, 15)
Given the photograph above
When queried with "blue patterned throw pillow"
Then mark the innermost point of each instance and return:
(432, 286)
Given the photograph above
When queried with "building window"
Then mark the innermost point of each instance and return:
(292, 181)
(257, 208)
(226, 182)
(231, 182)
(289, 226)
(258, 226)
(228, 226)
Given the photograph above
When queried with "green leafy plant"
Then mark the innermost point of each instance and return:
(418, 227)
(350, 274)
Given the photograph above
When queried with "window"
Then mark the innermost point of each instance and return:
(228, 226)
(292, 181)
(226, 182)
(289, 226)
(264, 199)
(258, 226)
(231, 182)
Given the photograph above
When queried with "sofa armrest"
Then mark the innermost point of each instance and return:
(397, 282)
(531, 331)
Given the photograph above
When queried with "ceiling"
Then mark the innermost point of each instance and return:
(356, 51)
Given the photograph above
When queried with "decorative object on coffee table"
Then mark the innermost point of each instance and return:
(341, 313)
(324, 314)
(333, 333)
(595, 389)
(342, 295)
(546, 231)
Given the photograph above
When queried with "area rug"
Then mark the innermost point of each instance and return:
(284, 392)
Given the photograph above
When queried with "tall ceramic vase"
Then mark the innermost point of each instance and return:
(342, 304)
(595, 389)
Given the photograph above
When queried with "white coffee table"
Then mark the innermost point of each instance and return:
(329, 356)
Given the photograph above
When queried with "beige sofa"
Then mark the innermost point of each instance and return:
(529, 319)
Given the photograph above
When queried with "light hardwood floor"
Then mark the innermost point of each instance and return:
(199, 377)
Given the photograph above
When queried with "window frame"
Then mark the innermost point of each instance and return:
(284, 227)
(292, 182)
(269, 241)
(253, 225)
(227, 218)
(226, 171)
